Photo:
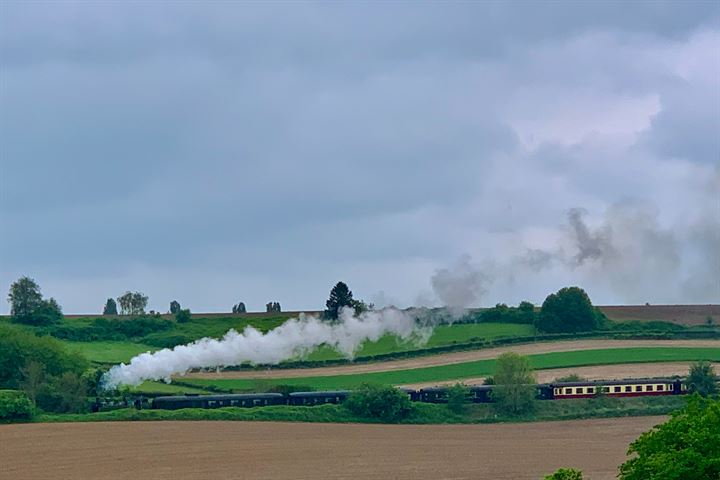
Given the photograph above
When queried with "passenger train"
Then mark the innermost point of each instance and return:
(478, 394)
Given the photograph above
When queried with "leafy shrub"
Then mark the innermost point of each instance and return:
(65, 394)
(183, 315)
(109, 329)
(382, 402)
(18, 348)
(458, 397)
(568, 310)
(15, 405)
(565, 474)
(514, 380)
(166, 341)
(702, 379)
(685, 447)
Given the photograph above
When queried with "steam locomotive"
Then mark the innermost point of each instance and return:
(478, 394)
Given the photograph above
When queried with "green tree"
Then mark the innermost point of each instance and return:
(565, 474)
(458, 398)
(340, 296)
(183, 315)
(34, 379)
(239, 308)
(568, 310)
(686, 447)
(125, 302)
(132, 303)
(138, 303)
(72, 393)
(18, 348)
(175, 307)
(702, 379)
(526, 313)
(380, 402)
(15, 405)
(47, 313)
(110, 307)
(515, 381)
(25, 298)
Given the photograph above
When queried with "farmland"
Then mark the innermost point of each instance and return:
(476, 368)
(123, 351)
(680, 314)
(188, 450)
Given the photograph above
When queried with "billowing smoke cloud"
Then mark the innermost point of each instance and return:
(293, 339)
(461, 285)
(591, 245)
(629, 252)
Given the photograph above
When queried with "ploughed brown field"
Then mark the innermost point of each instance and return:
(299, 451)
(683, 314)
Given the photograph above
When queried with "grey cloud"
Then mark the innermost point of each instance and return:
(259, 142)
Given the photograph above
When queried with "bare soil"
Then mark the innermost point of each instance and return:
(298, 451)
(682, 314)
(449, 358)
(600, 372)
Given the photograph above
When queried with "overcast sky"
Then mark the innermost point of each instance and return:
(216, 152)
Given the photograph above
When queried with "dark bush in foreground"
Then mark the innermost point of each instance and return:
(14, 405)
(565, 474)
(379, 401)
(685, 447)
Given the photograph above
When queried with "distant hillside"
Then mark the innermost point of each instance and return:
(683, 314)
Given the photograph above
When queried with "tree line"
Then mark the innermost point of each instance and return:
(569, 310)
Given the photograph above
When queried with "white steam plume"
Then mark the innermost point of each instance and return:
(292, 339)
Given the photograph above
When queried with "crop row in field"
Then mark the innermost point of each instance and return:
(479, 368)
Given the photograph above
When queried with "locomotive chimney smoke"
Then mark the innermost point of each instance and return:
(293, 339)
(590, 245)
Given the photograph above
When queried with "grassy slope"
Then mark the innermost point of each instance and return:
(421, 413)
(107, 352)
(479, 368)
(442, 335)
(116, 352)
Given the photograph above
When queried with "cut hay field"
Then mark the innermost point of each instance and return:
(681, 314)
(478, 368)
(298, 451)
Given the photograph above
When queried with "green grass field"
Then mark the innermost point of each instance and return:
(107, 352)
(170, 389)
(442, 335)
(477, 368)
(116, 352)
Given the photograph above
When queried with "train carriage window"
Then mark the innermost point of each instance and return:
(638, 388)
(591, 390)
(660, 388)
(578, 390)
(649, 388)
(628, 388)
(568, 391)
(616, 389)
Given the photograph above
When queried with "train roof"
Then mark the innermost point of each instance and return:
(315, 394)
(229, 396)
(627, 381)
